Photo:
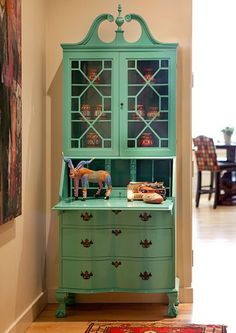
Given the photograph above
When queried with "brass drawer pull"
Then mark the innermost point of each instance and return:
(145, 216)
(145, 275)
(86, 216)
(116, 263)
(86, 275)
(116, 232)
(145, 243)
(86, 242)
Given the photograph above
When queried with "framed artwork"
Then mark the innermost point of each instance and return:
(10, 110)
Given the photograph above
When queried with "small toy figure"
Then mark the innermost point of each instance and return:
(86, 175)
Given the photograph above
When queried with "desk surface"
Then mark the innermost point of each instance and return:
(230, 150)
(225, 146)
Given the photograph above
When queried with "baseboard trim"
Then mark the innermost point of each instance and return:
(21, 324)
(185, 296)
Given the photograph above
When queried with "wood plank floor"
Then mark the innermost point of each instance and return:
(214, 276)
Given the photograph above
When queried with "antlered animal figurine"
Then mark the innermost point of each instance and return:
(86, 175)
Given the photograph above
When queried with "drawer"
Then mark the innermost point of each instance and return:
(123, 242)
(87, 274)
(145, 275)
(141, 218)
(117, 275)
(138, 218)
(82, 218)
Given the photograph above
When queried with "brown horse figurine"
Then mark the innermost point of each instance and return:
(87, 175)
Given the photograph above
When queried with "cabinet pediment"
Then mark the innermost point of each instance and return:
(92, 38)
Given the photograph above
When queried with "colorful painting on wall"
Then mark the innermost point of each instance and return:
(10, 110)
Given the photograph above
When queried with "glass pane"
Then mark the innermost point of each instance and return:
(107, 64)
(91, 103)
(148, 103)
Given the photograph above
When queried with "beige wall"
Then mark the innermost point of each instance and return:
(22, 242)
(169, 21)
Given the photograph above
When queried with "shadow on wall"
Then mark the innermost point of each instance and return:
(53, 175)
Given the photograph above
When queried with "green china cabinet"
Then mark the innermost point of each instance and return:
(119, 108)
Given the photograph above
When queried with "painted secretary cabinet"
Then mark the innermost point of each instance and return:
(119, 108)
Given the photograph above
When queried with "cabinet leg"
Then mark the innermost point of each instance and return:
(173, 302)
(61, 310)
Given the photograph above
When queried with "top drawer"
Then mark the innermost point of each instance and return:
(138, 218)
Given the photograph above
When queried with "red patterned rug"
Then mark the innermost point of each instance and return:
(152, 327)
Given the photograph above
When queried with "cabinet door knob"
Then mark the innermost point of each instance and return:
(86, 275)
(86, 242)
(86, 216)
(145, 275)
(145, 216)
(145, 243)
(116, 232)
(121, 106)
(116, 263)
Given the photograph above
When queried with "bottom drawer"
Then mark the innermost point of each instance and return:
(118, 275)
(146, 275)
(87, 274)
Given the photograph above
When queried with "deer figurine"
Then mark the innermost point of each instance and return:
(86, 175)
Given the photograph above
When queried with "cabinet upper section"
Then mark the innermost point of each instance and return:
(119, 97)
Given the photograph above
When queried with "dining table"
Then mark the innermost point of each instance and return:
(230, 150)
(228, 179)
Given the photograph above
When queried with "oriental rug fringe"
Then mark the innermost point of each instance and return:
(152, 327)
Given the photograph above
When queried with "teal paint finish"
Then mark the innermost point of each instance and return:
(119, 106)
(92, 49)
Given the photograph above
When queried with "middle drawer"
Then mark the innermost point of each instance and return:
(121, 241)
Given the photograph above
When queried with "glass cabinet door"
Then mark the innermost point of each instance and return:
(148, 106)
(90, 103)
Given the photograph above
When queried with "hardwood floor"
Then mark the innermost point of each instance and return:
(214, 275)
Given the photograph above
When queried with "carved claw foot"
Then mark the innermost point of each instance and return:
(61, 310)
(60, 313)
(173, 302)
(172, 311)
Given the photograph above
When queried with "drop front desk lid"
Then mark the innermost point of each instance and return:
(112, 203)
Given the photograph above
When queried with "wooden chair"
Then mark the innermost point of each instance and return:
(206, 160)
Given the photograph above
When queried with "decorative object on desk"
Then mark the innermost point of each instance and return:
(130, 194)
(80, 173)
(227, 131)
(153, 327)
(146, 140)
(141, 188)
(153, 198)
(153, 112)
(93, 140)
(86, 110)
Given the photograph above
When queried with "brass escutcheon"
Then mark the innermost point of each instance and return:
(145, 216)
(86, 216)
(145, 275)
(116, 263)
(116, 232)
(86, 242)
(86, 275)
(145, 243)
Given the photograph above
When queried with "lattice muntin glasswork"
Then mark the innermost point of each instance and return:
(148, 103)
(91, 103)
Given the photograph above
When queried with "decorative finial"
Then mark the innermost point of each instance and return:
(119, 20)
